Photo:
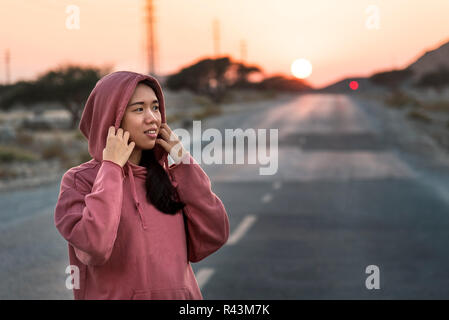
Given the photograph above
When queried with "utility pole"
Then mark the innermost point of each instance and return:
(151, 41)
(216, 35)
(7, 66)
(243, 51)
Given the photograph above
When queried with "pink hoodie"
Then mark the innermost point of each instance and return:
(123, 246)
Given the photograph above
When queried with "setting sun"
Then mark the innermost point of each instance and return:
(301, 68)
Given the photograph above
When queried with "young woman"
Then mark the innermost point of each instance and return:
(132, 222)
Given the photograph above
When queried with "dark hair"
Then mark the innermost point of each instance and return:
(159, 190)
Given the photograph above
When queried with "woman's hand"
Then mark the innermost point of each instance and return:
(117, 148)
(171, 143)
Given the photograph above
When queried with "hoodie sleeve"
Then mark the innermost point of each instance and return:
(89, 220)
(206, 218)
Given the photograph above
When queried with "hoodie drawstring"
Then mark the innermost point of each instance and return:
(134, 194)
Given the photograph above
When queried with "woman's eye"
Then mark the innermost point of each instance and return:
(156, 107)
(138, 109)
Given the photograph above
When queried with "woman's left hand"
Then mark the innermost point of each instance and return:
(170, 141)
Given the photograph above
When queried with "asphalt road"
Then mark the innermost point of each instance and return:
(351, 190)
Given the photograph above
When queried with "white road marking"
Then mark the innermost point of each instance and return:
(203, 276)
(267, 198)
(277, 185)
(299, 166)
(241, 229)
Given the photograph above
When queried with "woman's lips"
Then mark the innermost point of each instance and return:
(151, 135)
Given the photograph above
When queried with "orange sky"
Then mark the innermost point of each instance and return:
(331, 34)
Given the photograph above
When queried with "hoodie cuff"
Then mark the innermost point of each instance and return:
(113, 164)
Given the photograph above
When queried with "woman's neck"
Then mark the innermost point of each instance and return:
(135, 156)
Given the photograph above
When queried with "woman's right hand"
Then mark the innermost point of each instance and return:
(117, 148)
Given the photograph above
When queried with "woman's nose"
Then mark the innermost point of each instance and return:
(150, 116)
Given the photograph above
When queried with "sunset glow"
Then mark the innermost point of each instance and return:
(301, 68)
(339, 37)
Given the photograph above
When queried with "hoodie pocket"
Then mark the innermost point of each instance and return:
(181, 293)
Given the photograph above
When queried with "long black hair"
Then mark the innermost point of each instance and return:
(159, 190)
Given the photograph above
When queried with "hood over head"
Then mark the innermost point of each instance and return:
(105, 107)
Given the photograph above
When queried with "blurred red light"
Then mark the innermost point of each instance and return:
(353, 85)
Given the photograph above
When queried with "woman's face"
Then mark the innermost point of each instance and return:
(142, 114)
